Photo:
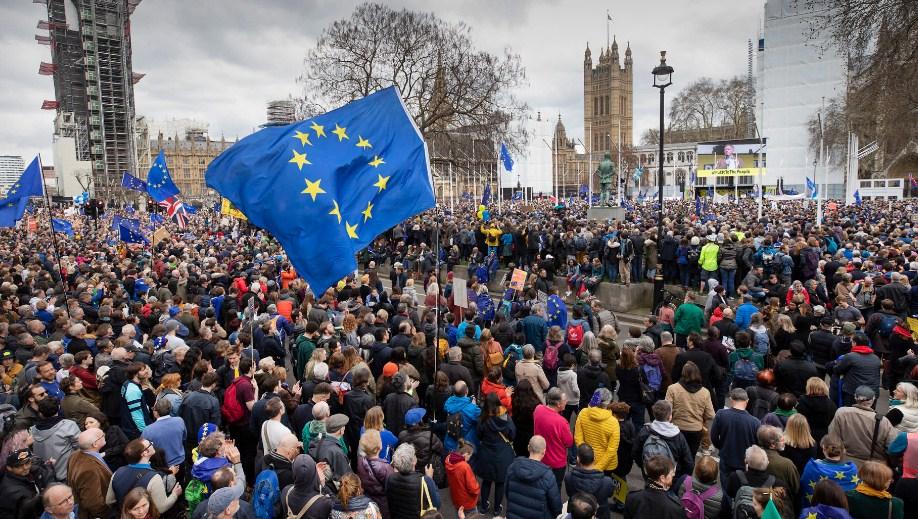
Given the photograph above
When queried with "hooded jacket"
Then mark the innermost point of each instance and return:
(55, 438)
(674, 439)
(463, 487)
(589, 379)
(593, 482)
(470, 412)
(373, 474)
(305, 485)
(597, 427)
(860, 367)
(356, 506)
(531, 491)
(692, 408)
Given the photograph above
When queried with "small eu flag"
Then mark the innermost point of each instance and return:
(505, 157)
(556, 312)
(116, 222)
(328, 186)
(130, 232)
(159, 183)
(29, 184)
(157, 218)
(61, 225)
(133, 183)
(486, 196)
(517, 195)
(857, 197)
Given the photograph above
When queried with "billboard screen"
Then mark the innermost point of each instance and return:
(729, 159)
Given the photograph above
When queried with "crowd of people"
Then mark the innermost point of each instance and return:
(202, 377)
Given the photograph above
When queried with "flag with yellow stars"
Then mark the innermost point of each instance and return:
(327, 186)
(29, 184)
(842, 473)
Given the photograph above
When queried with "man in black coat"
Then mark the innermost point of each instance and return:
(792, 373)
(19, 497)
(531, 490)
(454, 368)
(280, 460)
(710, 371)
(668, 256)
(591, 377)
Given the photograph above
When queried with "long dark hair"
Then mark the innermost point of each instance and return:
(524, 396)
(490, 408)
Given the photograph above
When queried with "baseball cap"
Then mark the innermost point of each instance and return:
(18, 458)
(7, 354)
(336, 422)
(390, 369)
(414, 416)
(221, 499)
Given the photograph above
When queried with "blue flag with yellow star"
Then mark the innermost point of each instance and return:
(129, 231)
(556, 312)
(64, 226)
(29, 184)
(327, 186)
(843, 473)
(159, 182)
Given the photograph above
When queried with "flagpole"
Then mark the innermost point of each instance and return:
(57, 252)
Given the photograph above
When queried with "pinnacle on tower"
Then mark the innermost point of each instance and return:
(587, 55)
(628, 54)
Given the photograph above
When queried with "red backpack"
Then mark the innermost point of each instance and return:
(550, 357)
(231, 409)
(575, 334)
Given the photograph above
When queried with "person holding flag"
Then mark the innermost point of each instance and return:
(29, 184)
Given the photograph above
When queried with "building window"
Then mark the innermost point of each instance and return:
(643, 158)
(690, 155)
(746, 180)
(701, 181)
(681, 156)
(607, 105)
(669, 157)
(595, 106)
(621, 105)
(650, 159)
(723, 181)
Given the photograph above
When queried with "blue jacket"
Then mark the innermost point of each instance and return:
(536, 331)
(470, 412)
(531, 491)
(733, 431)
(744, 315)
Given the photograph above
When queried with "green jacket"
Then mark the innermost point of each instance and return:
(708, 257)
(689, 318)
(861, 505)
(304, 348)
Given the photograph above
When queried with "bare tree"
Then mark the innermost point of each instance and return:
(650, 137)
(446, 83)
(707, 104)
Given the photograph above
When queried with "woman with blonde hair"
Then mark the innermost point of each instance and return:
(374, 421)
(351, 502)
(903, 407)
(169, 390)
(372, 470)
(785, 332)
(817, 407)
(871, 499)
(799, 446)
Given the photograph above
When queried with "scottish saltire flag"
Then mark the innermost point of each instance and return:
(61, 225)
(81, 198)
(556, 312)
(157, 218)
(857, 197)
(133, 183)
(517, 195)
(328, 186)
(812, 188)
(29, 184)
(130, 232)
(159, 182)
(486, 195)
(505, 157)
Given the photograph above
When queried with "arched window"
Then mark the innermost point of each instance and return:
(681, 156)
(690, 156)
(669, 156)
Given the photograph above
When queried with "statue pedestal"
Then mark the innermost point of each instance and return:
(605, 213)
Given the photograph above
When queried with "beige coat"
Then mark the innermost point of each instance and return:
(691, 411)
(855, 426)
(532, 370)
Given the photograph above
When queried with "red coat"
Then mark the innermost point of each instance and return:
(463, 486)
(488, 387)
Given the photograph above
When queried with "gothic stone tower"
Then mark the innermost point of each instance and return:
(607, 99)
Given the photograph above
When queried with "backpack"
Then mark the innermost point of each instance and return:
(887, 323)
(7, 418)
(745, 369)
(654, 445)
(265, 494)
(231, 409)
(760, 342)
(628, 249)
(767, 257)
(652, 376)
(510, 359)
(550, 358)
(693, 254)
(763, 406)
(693, 501)
(494, 357)
(742, 503)
(454, 425)
(195, 492)
(575, 334)
(580, 243)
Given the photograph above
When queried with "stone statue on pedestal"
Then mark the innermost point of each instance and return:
(606, 172)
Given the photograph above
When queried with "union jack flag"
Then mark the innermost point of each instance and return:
(175, 208)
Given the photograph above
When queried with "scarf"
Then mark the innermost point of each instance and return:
(862, 348)
(784, 412)
(872, 492)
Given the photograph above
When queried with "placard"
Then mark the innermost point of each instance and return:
(518, 279)
(460, 293)
(619, 489)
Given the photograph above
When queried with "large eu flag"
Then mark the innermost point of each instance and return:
(159, 182)
(326, 187)
(29, 184)
(129, 231)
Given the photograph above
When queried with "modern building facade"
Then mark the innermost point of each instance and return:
(798, 73)
(90, 43)
(11, 167)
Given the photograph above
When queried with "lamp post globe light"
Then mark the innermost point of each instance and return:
(662, 78)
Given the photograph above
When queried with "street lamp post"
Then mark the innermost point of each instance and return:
(662, 78)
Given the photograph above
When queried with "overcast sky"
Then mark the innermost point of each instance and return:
(221, 60)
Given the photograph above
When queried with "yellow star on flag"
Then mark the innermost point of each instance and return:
(376, 161)
(813, 483)
(351, 230)
(823, 478)
(318, 128)
(381, 183)
(336, 211)
(299, 159)
(368, 212)
(363, 143)
(340, 132)
(313, 189)
(839, 475)
(811, 515)
(303, 137)
(855, 479)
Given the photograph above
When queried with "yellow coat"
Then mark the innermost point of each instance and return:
(492, 235)
(599, 428)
